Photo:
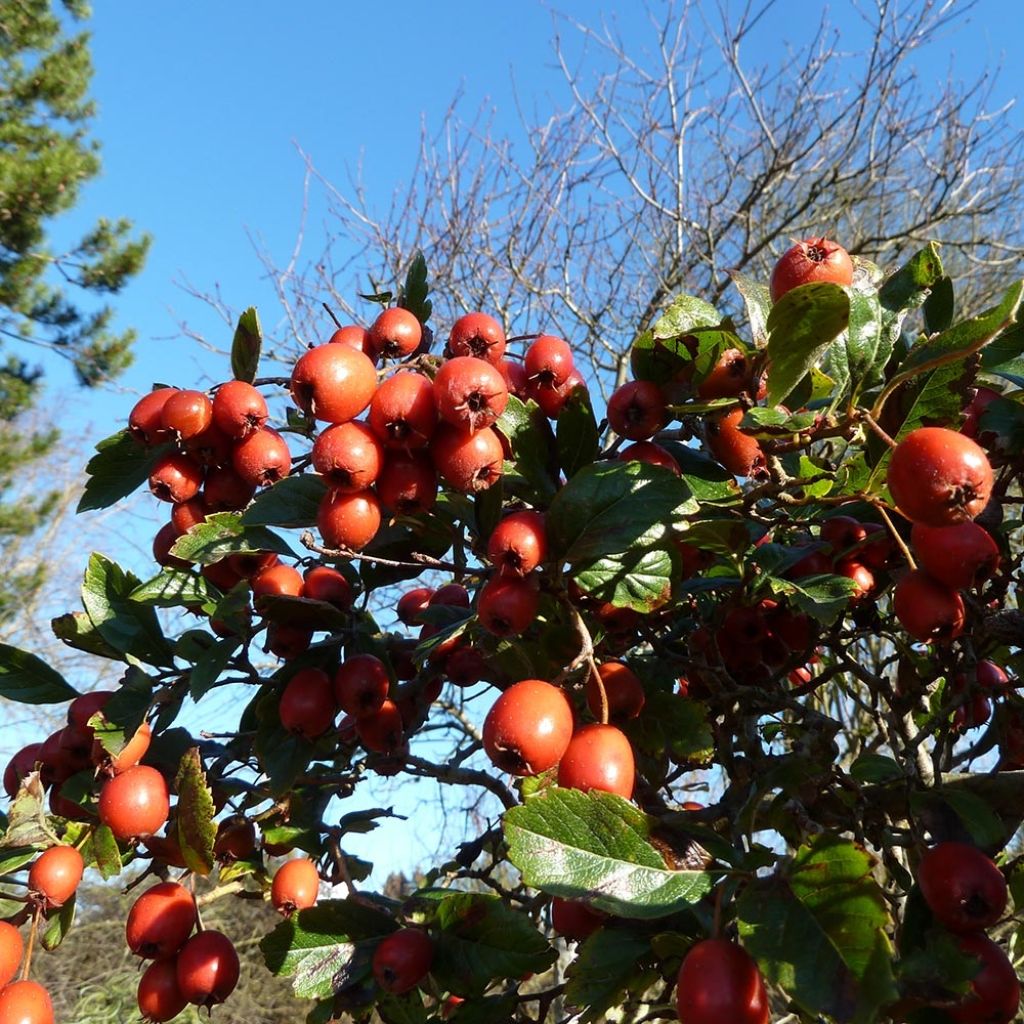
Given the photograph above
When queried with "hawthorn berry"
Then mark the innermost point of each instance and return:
(12, 947)
(548, 361)
(552, 400)
(810, 260)
(187, 514)
(518, 544)
(235, 839)
(994, 997)
(158, 995)
(348, 456)
(278, 580)
(260, 459)
(528, 728)
(468, 462)
(396, 333)
(225, 490)
(133, 751)
(334, 383)
(402, 960)
(939, 477)
(730, 376)
(135, 803)
(146, 420)
(479, 335)
(186, 414)
(403, 413)
(740, 453)
(25, 1002)
(926, 609)
(381, 730)
(296, 886)
(516, 381)
(407, 483)
(348, 521)
(207, 968)
(720, 982)
(637, 410)
(287, 641)
(160, 920)
(412, 603)
(361, 684)
(239, 409)
(19, 766)
(975, 409)
(176, 478)
(961, 556)
(210, 448)
(623, 692)
(650, 453)
(321, 583)
(451, 595)
(598, 757)
(861, 575)
(842, 533)
(307, 705)
(508, 605)
(575, 920)
(962, 887)
(469, 393)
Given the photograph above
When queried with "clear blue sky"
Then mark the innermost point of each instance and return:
(201, 106)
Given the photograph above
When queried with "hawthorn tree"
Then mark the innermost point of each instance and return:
(642, 629)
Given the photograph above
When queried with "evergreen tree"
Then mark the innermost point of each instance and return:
(47, 296)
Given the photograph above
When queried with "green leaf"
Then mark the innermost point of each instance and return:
(102, 849)
(1004, 357)
(968, 335)
(663, 351)
(77, 631)
(818, 926)
(801, 326)
(282, 754)
(875, 768)
(223, 534)
(909, 287)
(641, 580)
(126, 625)
(866, 347)
(758, 300)
(825, 598)
(534, 455)
(595, 847)
(671, 723)
(27, 679)
(414, 296)
(685, 313)
(245, 346)
(576, 433)
(58, 925)
(119, 466)
(610, 964)
(301, 611)
(11, 860)
(940, 305)
(705, 476)
(26, 817)
(614, 507)
(480, 940)
(173, 588)
(195, 824)
(326, 948)
(209, 666)
(292, 502)
(123, 712)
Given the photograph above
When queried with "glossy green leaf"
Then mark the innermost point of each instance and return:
(706, 477)
(595, 847)
(416, 291)
(533, 468)
(123, 712)
(246, 345)
(27, 679)
(758, 302)
(195, 814)
(817, 927)
(801, 326)
(940, 306)
(576, 433)
(173, 588)
(1005, 356)
(76, 630)
(223, 534)
(608, 965)
(292, 502)
(119, 467)
(824, 598)
(641, 580)
(102, 850)
(210, 665)
(58, 925)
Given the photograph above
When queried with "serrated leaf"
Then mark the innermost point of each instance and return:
(940, 305)
(415, 295)
(707, 478)
(866, 347)
(127, 626)
(26, 817)
(576, 433)
(641, 580)
(292, 502)
(479, 940)
(223, 534)
(173, 588)
(209, 666)
(246, 345)
(909, 286)
(662, 351)
(801, 326)
(76, 630)
(534, 462)
(817, 927)
(684, 313)
(120, 466)
(124, 711)
(758, 301)
(594, 847)
(326, 948)
(825, 598)
(27, 679)
(102, 850)
(614, 507)
(674, 724)
(606, 968)
(58, 925)
(195, 813)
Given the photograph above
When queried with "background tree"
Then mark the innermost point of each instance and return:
(48, 293)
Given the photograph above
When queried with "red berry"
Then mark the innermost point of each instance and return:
(402, 960)
(224, 490)
(516, 381)
(479, 335)
(208, 968)
(598, 757)
(19, 766)
(12, 947)
(548, 361)
(187, 413)
(348, 521)
(382, 730)
(355, 337)
(842, 533)
(528, 728)
(210, 448)
(508, 605)
(135, 803)
(451, 595)
(128, 756)
(25, 1002)
(407, 483)
(160, 920)
(162, 544)
(188, 514)
(730, 376)
(333, 382)
(296, 886)
(348, 456)
(651, 453)
(720, 982)
(403, 413)
(176, 478)
(637, 410)
(623, 691)
(468, 462)
(961, 556)
(277, 581)
(552, 399)
(250, 565)
(469, 393)
(861, 576)
(926, 609)
(574, 920)
(361, 684)
(288, 642)
(322, 583)
(877, 553)
(146, 420)
(411, 604)
(518, 543)
(307, 705)
(975, 409)
(395, 333)
(939, 477)
(813, 259)
(995, 991)
(159, 997)
(239, 409)
(235, 840)
(740, 453)
(261, 459)
(962, 886)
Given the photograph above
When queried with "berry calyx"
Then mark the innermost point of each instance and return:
(470, 393)
(518, 544)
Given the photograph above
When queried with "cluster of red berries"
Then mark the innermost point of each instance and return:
(967, 894)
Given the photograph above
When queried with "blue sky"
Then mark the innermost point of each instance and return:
(202, 105)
